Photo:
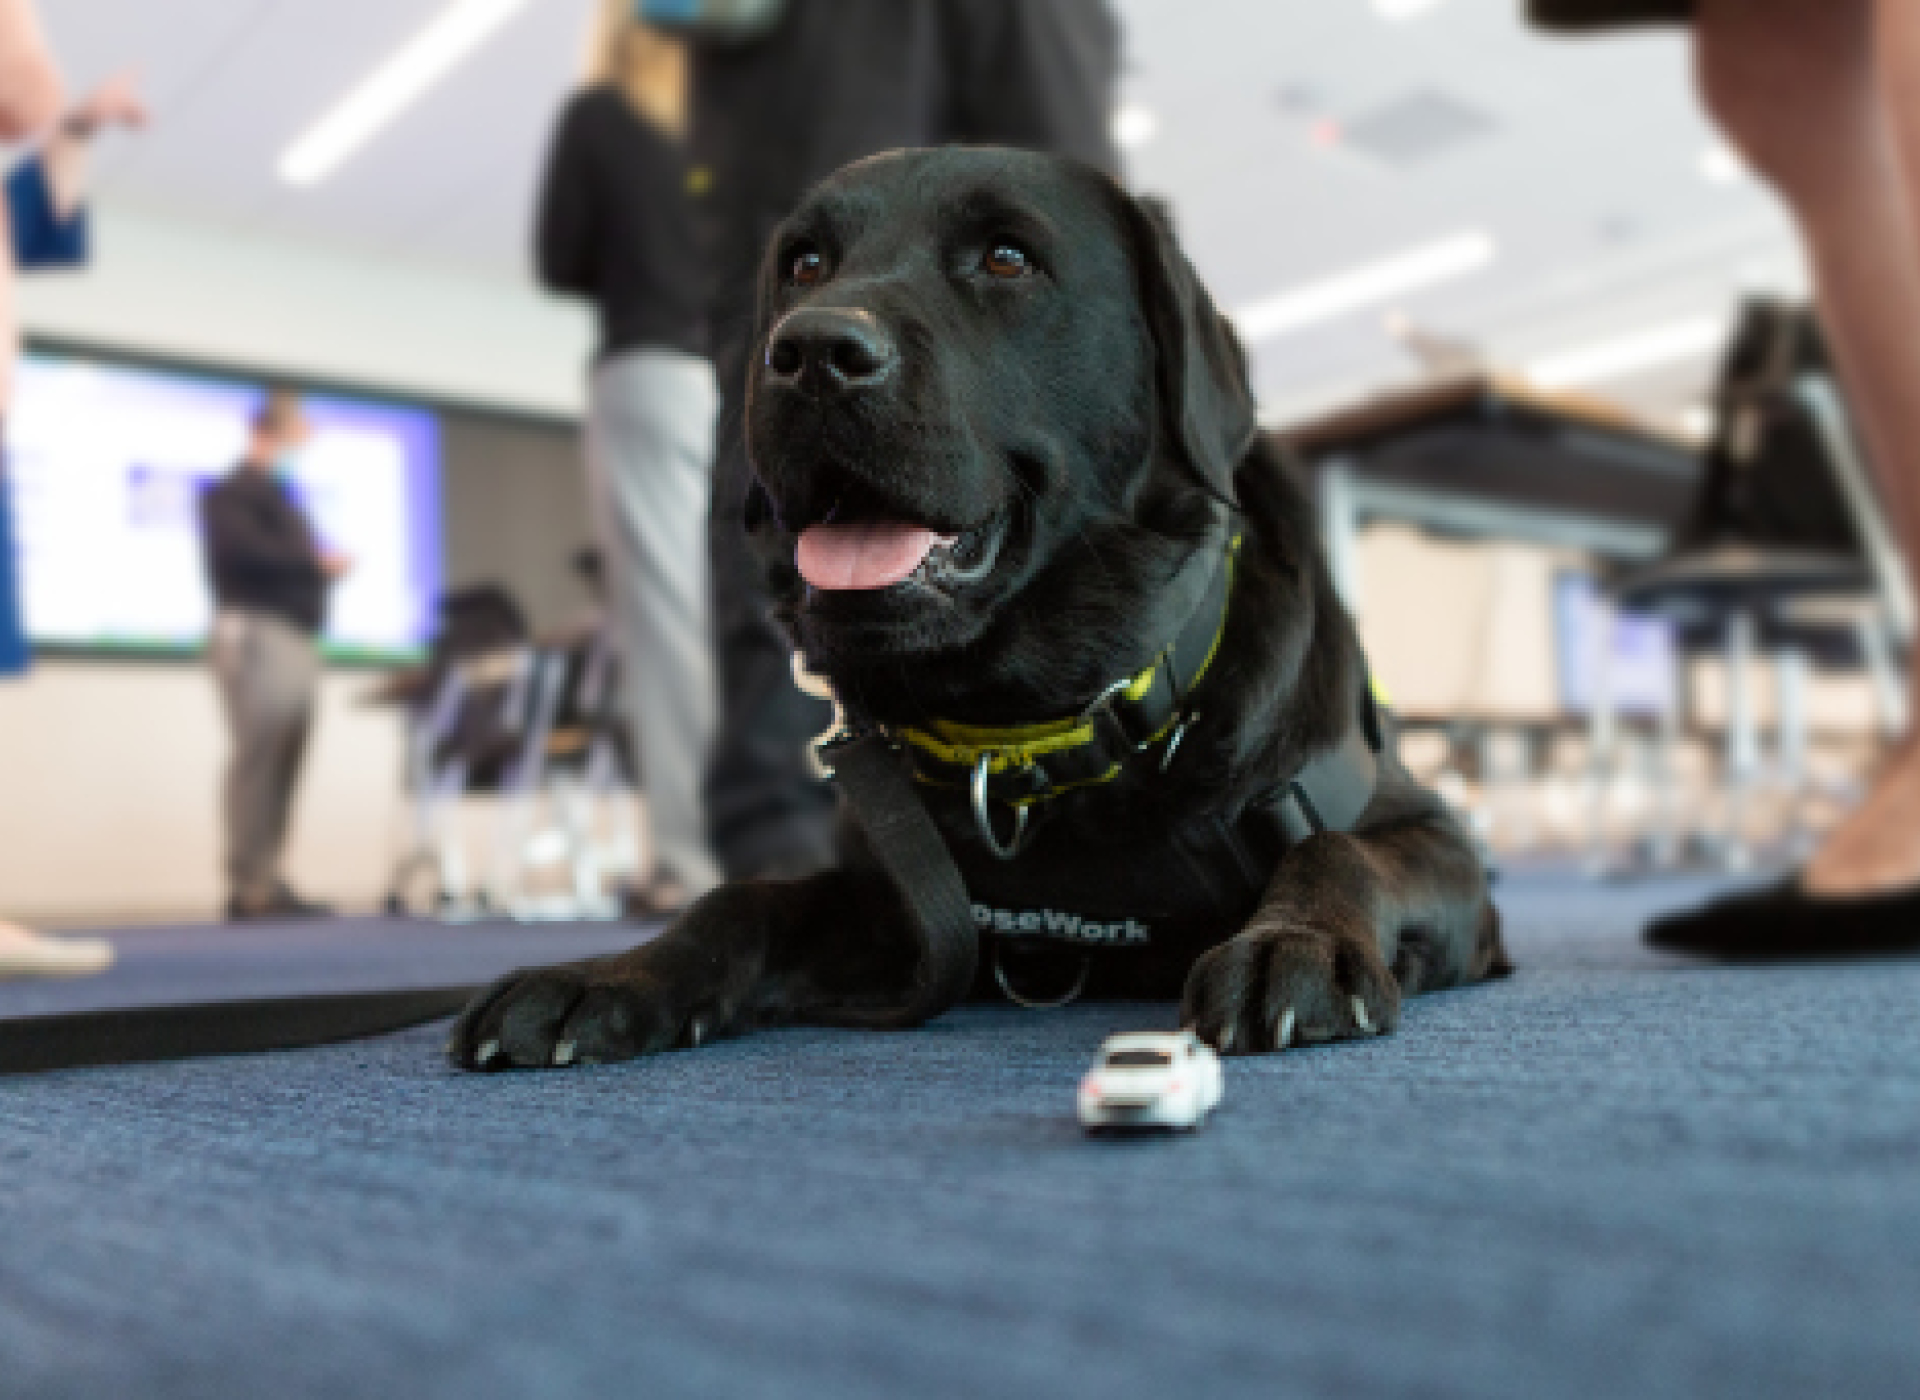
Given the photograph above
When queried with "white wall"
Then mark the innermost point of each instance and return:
(109, 805)
(1455, 628)
(169, 286)
(109, 773)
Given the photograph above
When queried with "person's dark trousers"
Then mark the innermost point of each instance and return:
(768, 813)
(841, 80)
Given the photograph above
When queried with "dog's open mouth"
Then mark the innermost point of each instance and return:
(867, 555)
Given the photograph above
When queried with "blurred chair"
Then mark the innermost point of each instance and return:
(578, 818)
(539, 729)
(1474, 457)
(1786, 559)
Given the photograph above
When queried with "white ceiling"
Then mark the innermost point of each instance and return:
(1582, 159)
(234, 82)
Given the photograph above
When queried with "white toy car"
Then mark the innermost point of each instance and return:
(1151, 1079)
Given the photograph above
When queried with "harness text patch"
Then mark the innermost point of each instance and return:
(1071, 928)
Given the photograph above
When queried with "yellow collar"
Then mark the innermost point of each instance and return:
(1041, 760)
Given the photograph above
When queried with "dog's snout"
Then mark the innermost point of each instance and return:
(825, 352)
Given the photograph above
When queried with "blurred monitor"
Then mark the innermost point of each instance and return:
(1644, 663)
(108, 461)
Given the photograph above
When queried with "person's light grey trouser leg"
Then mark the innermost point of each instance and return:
(650, 449)
(268, 672)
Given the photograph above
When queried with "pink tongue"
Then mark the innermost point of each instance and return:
(872, 554)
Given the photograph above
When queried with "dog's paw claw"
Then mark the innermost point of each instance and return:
(593, 1013)
(1284, 987)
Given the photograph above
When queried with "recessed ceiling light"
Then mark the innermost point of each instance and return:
(1720, 166)
(399, 82)
(1654, 348)
(1134, 125)
(1458, 256)
(1403, 9)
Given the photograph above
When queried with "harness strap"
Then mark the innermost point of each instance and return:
(1331, 792)
(874, 776)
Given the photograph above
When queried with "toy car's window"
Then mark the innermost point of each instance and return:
(1138, 1059)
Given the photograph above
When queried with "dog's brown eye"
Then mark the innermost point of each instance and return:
(807, 269)
(1008, 260)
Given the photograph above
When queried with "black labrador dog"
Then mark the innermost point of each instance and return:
(1017, 513)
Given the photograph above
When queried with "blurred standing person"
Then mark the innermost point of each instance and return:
(46, 226)
(46, 230)
(270, 575)
(616, 228)
(833, 82)
(1821, 98)
(30, 98)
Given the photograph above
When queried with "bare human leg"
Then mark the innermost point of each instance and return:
(1808, 92)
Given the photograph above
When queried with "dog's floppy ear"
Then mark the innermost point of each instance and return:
(1206, 399)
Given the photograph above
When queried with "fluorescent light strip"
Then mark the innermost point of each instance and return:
(1459, 256)
(393, 87)
(1632, 354)
(1403, 9)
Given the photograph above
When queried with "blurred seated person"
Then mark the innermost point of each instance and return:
(270, 574)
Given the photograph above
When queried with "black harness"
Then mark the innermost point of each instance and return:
(956, 816)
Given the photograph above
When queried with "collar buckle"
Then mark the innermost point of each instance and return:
(1101, 710)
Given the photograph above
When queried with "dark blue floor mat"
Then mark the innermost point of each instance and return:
(224, 962)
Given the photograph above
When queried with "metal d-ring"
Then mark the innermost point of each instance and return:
(983, 815)
(1071, 995)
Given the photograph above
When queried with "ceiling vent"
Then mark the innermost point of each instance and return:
(1417, 129)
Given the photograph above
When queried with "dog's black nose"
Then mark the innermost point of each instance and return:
(823, 352)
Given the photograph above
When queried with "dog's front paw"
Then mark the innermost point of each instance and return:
(591, 1013)
(1273, 989)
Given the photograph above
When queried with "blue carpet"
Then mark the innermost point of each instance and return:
(1614, 1175)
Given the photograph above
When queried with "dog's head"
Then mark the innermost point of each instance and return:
(988, 391)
